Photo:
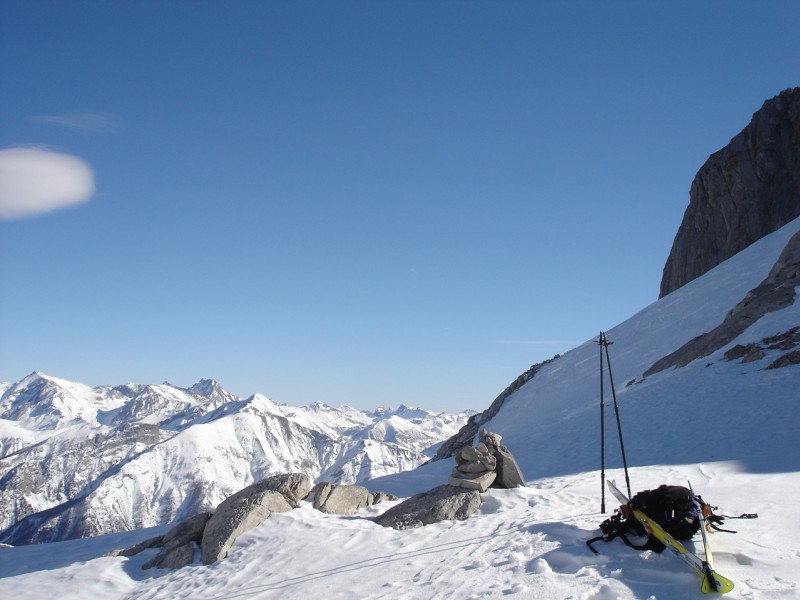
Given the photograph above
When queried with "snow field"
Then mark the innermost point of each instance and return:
(528, 543)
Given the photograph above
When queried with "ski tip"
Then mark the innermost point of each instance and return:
(719, 585)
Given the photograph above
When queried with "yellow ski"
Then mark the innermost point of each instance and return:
(711, 580)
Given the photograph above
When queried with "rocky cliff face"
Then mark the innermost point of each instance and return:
(743, 192)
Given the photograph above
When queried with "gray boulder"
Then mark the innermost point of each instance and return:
(509, 475)
(247, 509)
(154, 542)
(319, 493)
(179, 543)
(174, 558)
(294, 486)
(443, 503)
(341, 499)
(476, 481)
(188, 530)
(378, 497)
(345, 499)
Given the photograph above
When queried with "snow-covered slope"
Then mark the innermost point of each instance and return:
(728, 426)
(39, 402)
(683, 415)
(79, 461)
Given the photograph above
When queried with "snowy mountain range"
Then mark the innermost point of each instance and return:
(727, 420)
(77, 461)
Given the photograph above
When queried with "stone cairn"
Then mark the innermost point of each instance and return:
(487, 464)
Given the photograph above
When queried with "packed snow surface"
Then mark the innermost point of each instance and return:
(528, 542)
(731, 428)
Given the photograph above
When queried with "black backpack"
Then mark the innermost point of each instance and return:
(671, 506)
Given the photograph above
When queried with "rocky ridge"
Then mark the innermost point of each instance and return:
(469, 432)
(777, 291)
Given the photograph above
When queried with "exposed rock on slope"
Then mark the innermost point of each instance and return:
(743, 192)
(777, 291)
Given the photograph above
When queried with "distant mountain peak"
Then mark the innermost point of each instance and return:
(206, 387)
(404, 411)
(158, 452)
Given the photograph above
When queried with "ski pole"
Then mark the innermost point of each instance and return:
(602, 435)
(616, 412)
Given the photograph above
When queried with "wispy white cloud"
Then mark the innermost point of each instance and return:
(35, 181)
(89, 121)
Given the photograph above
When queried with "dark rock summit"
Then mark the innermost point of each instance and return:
(745, 191)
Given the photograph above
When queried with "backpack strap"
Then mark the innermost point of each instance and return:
(714, 521)
(611, 528)
(597, 539)
(617, 526)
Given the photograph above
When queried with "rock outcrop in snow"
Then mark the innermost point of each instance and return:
(442, 503)
(777, 291)
(344, 499)
(213, 533)
(249, 507)
(467, 435)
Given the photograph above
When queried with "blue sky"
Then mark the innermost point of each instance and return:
(359, 203)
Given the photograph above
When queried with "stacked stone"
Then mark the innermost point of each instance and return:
(488, 463)
(509, 475)
(475, 468)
